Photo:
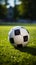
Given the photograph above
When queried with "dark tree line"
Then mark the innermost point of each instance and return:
(29, 8)
(3, 11)
(26, 10)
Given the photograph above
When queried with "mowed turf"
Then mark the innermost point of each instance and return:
(9, 55)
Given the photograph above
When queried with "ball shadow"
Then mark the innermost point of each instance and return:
(27, 49)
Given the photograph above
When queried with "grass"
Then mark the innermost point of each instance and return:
(9, 55)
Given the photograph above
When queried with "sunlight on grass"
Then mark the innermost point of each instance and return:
(9, 55)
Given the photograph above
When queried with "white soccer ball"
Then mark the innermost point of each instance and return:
(18, 36)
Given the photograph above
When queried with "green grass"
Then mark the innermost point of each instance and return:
(9, 55)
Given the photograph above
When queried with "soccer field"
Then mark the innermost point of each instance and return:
(9, 55)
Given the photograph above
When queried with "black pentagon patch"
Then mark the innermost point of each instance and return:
(11, 40)
(25, 38)
(17, 32)
(19, 45)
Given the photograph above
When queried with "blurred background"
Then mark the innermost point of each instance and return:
(18, 11)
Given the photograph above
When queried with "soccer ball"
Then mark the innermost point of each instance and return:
(18, 36)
